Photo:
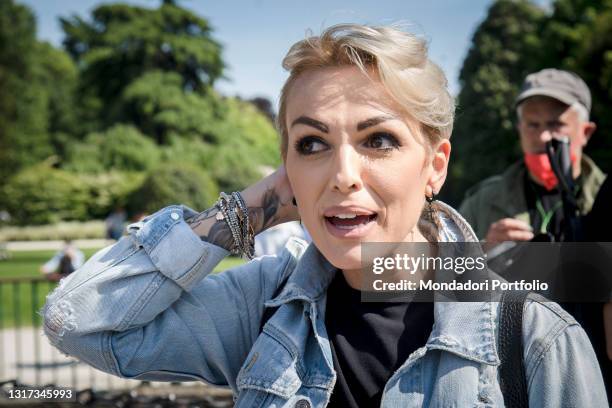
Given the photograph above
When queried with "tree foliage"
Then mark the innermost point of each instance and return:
(110, 117)
(174, 183)
(42, 194)
(579, 38)
(109, 190)
(121, 43)
(484, 138)
(36, 93)
(154, 69)
(159, 106)
(120, 148)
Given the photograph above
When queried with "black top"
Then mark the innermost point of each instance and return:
(598, 223)
(370, 341)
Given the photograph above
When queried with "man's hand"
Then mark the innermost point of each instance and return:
(508, 229)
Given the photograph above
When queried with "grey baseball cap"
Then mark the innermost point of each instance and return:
(563, 86)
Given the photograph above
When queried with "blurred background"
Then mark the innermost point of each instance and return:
(111, 110)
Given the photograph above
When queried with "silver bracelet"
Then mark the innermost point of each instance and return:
(235, 213)
(248, 237)
(223, 205)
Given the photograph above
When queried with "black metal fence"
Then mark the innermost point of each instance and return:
(27, 358)
(25, 353)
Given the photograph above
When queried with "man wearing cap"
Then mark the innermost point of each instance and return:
(524, 200)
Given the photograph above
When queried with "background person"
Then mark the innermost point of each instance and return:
(115, 223)
(63, 263)
(524, 200)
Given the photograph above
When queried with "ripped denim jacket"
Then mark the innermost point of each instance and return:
(148, 308)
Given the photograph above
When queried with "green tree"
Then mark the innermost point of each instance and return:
(173, 183)
(57, 78)
(155, 69)
(578, 36)
(23, 117)
(161, 108)
(37, 85)
(120, 148)
(248, 143)
(232, 139)
(484, 139)
(123, 42)
(109, 190)
(42, 194)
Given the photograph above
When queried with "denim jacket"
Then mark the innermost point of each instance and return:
(148, 308)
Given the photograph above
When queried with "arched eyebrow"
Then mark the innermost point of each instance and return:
(374, 121)
(305, 120)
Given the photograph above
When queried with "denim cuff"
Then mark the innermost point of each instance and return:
(174, 248)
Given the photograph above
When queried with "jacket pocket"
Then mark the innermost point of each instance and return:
(270, 366)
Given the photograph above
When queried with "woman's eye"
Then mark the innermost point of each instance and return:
(309, 145)
(382, 141)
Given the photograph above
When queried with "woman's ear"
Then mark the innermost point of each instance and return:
(439, 164)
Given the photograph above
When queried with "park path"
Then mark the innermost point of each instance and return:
(23, 350)
(56, 245)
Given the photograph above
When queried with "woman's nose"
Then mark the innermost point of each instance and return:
(346, 170)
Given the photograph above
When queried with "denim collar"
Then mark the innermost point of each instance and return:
(310, 278)
(462, 328)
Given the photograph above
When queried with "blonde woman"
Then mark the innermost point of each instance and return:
(365, 120)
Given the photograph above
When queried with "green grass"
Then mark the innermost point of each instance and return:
(27, 263)
(17, 307)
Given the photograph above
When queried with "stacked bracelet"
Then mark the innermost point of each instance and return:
(248, 236)
(236, 215)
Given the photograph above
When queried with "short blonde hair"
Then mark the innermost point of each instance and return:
(400, 60)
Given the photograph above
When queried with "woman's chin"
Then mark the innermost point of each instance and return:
(344, 258)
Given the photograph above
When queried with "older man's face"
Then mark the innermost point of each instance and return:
(544, 118)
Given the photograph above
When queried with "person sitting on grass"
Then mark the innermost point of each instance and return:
(63, 263)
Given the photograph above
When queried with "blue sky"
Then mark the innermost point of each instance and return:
(256, 34)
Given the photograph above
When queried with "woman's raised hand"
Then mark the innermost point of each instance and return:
(269, 202)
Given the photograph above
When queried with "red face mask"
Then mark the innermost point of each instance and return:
(539, 166)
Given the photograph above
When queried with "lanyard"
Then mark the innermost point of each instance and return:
(546, 215)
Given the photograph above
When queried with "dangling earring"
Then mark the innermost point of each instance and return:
(430, 211)
(432, 198)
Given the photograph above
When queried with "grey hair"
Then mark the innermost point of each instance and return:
(581, 110)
